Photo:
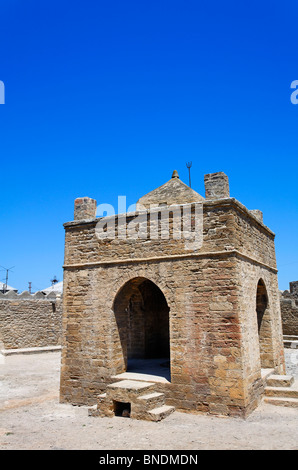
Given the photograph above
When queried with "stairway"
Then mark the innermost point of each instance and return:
(281, 390)
(290, 341)
(134, 399)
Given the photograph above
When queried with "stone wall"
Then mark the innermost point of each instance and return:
(289, 310)
(29, 321)
(261, 348)
(227, 225)
(211, 294)
(294, 289)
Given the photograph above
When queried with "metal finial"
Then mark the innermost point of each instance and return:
(54, 281)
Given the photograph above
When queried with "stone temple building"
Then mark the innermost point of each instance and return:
(156, 318)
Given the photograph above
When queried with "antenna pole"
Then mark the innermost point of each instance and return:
(6, 279)
(4, 287)
(189, 165)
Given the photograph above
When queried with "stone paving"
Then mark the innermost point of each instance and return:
(31, 417)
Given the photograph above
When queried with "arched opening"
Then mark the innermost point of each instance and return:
(142, 317)
(262, 303)
(264, 325)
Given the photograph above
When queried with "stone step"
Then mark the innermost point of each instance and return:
(291, 344)
(280, 380)
(265, 373)
(151, 400)
(101, 398)
(140, 377)
(284, 392)
(127, 390)
(95, 410)
(134, 399)
(157, 414)
(290, 337)
(280, 401)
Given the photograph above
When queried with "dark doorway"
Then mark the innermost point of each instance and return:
(262, 303)
(264, 326)
(142, 316)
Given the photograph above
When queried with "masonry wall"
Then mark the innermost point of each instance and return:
(227, 225)
(259, 353)
(253, 238)
(204, 332)
(30, 322)
(211, 293)
(289, 310)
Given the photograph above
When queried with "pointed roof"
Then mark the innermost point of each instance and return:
(7, 288)
(173, 191)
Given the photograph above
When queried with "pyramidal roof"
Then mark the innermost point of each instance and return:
(58, 287)
(173, 191)
(6, 287)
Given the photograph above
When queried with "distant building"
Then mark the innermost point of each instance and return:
(57, 288)
(6, 288)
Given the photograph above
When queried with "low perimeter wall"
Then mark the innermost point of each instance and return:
(30, 321)
(289, 310)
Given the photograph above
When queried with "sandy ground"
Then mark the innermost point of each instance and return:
(32, 418)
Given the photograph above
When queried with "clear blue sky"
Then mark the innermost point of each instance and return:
(107, 98)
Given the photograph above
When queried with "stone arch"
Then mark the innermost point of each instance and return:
(264, 325)
(142, 318)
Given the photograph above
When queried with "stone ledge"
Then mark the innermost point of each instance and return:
(289, 402)
(42, 349)
(169, 258)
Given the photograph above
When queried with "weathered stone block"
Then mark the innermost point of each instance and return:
(85, 208)
(216, 186)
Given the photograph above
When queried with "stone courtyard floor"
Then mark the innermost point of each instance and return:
(32, 418)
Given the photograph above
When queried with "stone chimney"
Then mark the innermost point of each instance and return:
(216, 186)
(258, 214)
(294, 289)
(85, 208)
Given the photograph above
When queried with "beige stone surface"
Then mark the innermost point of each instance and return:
(47, 424)
(289, 310)
(173, 191)
(30, 322)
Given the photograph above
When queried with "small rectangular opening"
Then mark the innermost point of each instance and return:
(122, 409)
